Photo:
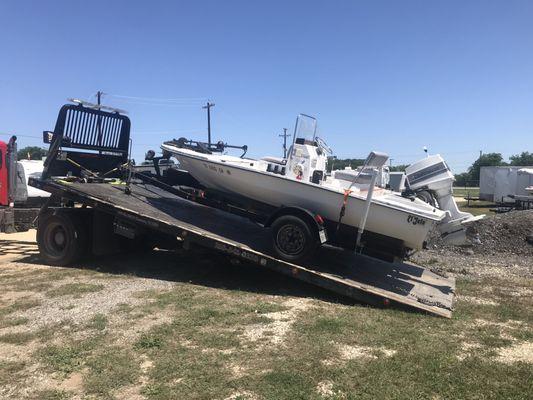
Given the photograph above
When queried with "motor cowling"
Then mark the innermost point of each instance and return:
(432, 175)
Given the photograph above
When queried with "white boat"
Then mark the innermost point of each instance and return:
(301, 180)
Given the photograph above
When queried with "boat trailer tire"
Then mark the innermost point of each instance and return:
(293, 238)
(62, 238)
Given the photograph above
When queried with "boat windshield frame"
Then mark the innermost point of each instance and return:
(307, 136)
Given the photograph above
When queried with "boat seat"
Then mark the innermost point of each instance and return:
(275, 160)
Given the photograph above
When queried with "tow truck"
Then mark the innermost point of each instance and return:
(106, 206)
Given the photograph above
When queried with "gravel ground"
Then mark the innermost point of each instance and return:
(501, 248)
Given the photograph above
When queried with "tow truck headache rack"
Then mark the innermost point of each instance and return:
(145, 212)
(86, 141)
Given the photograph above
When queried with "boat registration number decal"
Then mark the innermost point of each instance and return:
(413, 219)
(214, 168)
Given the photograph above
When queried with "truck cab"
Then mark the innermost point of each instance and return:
(16, 214)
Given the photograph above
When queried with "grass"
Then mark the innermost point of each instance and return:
(74, 289)
(17, 338)
(110, 370)
(476, 207)
(465, 192)
(200, 349)
(71, 356)
(425, 364)
(19, 305)
(10, 370)
(52, 394)
(149, 342)
(98, 322)
(65, 359)
(197, 354)
(13, 321)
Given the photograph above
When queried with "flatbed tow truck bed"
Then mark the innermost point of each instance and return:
(353, 275)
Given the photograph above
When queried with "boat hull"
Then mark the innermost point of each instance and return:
(385, 219)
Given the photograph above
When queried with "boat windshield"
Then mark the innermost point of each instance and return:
(305, 128)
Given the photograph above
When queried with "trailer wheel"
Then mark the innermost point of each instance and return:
(293, 238)
(62, 238)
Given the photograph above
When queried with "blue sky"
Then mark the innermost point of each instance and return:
(456, 76)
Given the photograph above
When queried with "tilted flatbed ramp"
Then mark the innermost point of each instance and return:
(356, 276)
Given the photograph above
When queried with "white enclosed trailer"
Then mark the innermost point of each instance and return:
(501, 184)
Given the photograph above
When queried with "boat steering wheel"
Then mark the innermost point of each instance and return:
(323, 145)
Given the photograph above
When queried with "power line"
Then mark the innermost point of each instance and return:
(223, 112)
(169, 130)
(157, 99)
(160, 104)
(17, 135)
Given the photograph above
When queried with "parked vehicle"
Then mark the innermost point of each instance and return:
(19, 203)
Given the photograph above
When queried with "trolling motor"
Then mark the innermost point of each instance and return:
(206, 148)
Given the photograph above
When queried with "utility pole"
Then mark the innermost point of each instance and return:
(285, 136)
(390, 162)
(208, 107)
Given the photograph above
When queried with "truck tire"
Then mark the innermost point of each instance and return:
(293, 239)
(62, 238)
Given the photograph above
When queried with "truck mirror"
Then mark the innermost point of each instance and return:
(47, 137)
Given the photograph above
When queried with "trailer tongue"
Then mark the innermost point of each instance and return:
(103, 212)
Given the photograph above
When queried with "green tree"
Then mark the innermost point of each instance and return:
(31, 152)
(340, 163)
(523, 159)
(463, 179)
(486, 160)
(398, 168)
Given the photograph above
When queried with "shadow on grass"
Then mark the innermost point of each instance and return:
(204, 268)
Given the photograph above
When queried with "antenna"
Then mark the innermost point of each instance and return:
(99, 95)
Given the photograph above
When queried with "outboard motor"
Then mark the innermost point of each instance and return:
(432, 181)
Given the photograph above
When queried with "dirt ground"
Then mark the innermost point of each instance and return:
(176, 325)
